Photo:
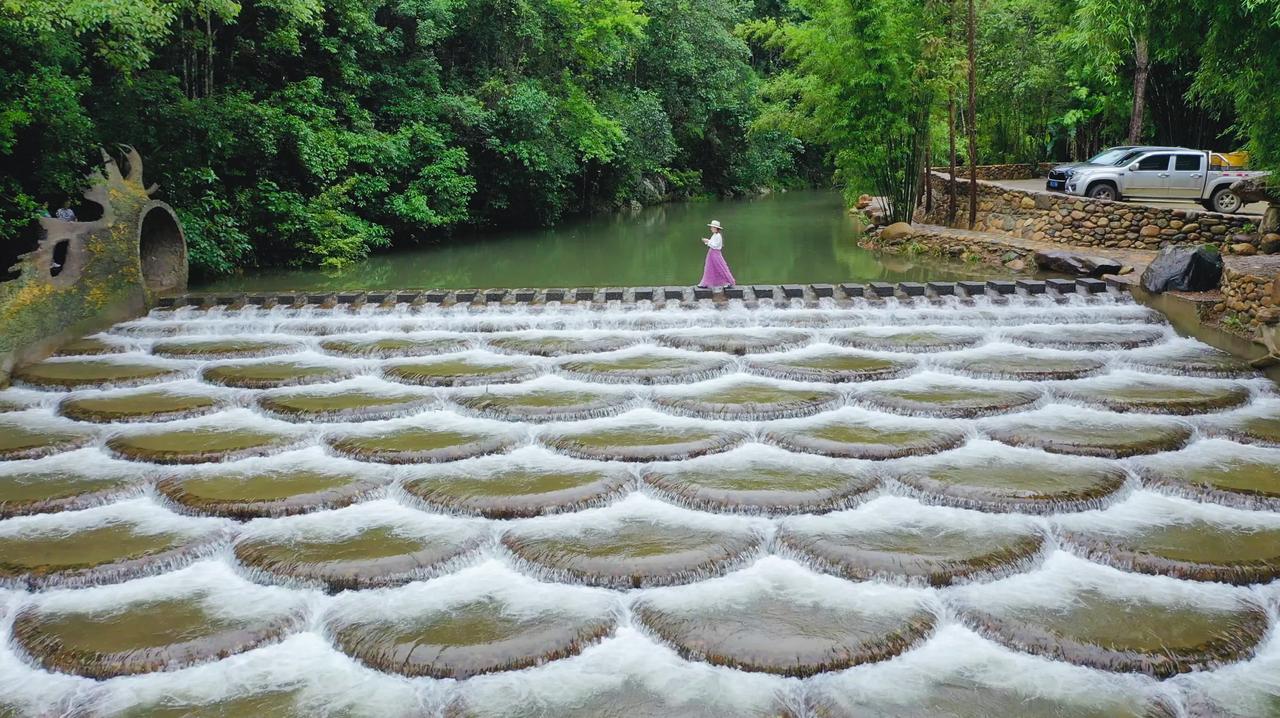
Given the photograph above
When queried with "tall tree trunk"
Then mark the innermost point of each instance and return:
(973, 116)
(1141, 68)
(951, 141)
(208, 31)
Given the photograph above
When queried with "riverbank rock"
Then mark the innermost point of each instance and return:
(896, 231)
(1080, 265)
(1184, 269)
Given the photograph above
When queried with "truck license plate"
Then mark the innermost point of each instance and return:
(1055, 184)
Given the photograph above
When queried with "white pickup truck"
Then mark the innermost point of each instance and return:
(1164, 174)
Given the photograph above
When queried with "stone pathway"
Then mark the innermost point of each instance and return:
(1136, 258)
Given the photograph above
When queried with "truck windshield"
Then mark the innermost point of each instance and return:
(1109, 157)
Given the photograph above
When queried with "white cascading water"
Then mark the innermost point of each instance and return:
(948, 635)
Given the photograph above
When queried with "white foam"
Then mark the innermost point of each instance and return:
(1056, 585)
(142, 514)
(212, 583)
(956, 658)
(629, 658)
(519, 595)
(327, 683)
(635, 507)
(1148, 509)
(895, 513)
(780, 579)
(337, 524)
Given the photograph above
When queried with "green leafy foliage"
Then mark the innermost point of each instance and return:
(301, 132)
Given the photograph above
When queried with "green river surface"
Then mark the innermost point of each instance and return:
(798, 237)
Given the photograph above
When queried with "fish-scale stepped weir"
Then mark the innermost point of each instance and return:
(1025, 499)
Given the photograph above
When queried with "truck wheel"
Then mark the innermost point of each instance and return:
(1225, 201)
(1104, 191)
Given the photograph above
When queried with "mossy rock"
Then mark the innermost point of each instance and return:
(197, 445)
(1193, 550)
(480, 636)
(376, 556)
(645, 369)
(106, 554)
(391, 347)
(348, 405)
(1087, 338)
(1026, 484)
(22, 441)
(229, 348)
(544, 404)
(738, 343)
(961, 697)
(1261, 430)
(272, 374)
(832, 367)
(148, 405)
(1128, 634)
(1245, 482)
(41, 491)
(1028, 367)
(933, 555)
(418, 445)
(1102, 437)
(865, 439)
(634, 552)
(273, 492)
(551, 345)
(145, 637)
(642, 442)
(1158, 396)
(765, 487)
(91, 374)
(772, 634)
(88, 346)
(908, 340)
(1196, 361)
(749, 399)
(519, 491)
(950, 399)
(460, 372)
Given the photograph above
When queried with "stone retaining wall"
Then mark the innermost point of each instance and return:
(1084, 222)
(953, 244)
(1249, 291)
(1004, 172)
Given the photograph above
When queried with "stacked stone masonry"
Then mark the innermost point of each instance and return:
(1249, 290)
(1004, 172)
(1083, 222)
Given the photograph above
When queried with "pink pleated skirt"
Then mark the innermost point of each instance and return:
(715, 272)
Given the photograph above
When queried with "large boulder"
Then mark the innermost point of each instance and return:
(1079, 265)
(896, 231)
(1186, 269)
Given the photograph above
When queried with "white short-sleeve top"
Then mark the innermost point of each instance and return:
(716, 241)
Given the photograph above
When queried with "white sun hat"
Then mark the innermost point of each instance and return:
(715, 224)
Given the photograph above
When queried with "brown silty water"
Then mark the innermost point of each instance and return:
(1039, 506)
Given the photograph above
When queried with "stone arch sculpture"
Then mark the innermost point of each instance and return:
(85, 276)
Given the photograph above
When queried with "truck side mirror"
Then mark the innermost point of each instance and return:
(1133, 167)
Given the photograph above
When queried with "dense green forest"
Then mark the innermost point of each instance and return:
(311, 132)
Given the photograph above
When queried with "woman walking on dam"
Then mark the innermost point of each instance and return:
(715, 272)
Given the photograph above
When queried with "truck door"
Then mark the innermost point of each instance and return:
(1187, 179)
(1150, 178)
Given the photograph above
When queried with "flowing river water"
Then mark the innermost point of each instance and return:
(1036, 507)
(791, 237)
